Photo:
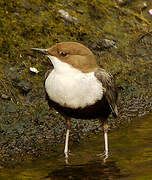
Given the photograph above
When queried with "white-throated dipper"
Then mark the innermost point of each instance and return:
(78, 88)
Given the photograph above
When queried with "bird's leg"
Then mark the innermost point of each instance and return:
(66, 151)
(105, 131)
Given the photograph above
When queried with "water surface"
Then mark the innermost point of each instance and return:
(130, 158)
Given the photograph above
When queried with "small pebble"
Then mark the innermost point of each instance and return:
(67, 16)
(34, 70)
(122, 2)
(107, 43)
(4, 96)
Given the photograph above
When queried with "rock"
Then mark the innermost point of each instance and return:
(13, 73)
(26, 4)
(13, 69)
(79, 11)
(31, 6)
(106, 43)
(143, 5)
(24, 86)
(4, 96)
(11, 108)
(122, 2)
(66, 16)
(17, 15)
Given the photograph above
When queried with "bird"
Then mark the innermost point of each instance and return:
(77, 87)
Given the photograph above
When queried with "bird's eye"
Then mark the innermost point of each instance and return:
(63, 54)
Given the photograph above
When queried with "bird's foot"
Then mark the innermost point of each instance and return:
(67, 157)
(67, 161)
(103, 155)
(66, 154)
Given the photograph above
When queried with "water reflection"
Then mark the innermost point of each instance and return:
(91, 170)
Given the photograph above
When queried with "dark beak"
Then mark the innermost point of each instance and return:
(41, 51)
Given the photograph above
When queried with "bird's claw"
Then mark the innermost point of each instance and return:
(103, 155)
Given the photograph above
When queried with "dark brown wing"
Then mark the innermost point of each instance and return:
(47, 73)
(110, 91)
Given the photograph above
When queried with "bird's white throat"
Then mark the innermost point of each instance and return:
(70, 87)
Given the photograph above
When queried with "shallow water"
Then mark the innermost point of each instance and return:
(130, 158)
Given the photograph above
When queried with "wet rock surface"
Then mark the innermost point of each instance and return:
(28, 128)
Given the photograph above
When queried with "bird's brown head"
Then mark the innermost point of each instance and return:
(75, 54)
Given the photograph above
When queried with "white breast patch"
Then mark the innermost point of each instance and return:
(73, 88)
